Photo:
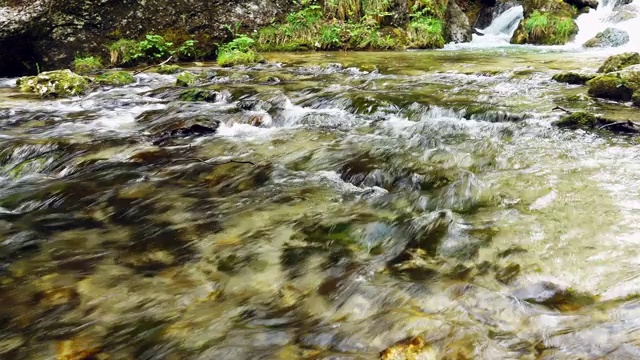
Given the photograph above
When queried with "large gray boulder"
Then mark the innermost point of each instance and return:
(610, 37)
(50, 33)
(458, 29)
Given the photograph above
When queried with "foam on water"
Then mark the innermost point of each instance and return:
(596, 21)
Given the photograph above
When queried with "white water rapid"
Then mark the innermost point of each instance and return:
(501, 29)
(611, 14)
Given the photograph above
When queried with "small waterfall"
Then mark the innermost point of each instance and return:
(501, 29)
(611, 14)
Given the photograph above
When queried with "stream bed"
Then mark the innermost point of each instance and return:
(346, 202)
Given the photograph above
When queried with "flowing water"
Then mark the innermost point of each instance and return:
(616, 14)
(347, 201)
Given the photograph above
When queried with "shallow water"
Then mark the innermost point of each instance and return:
(384, 196)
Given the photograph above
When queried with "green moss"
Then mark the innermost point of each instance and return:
(169, 69)
(578, 120)
(186, 79)
(619, 62)
(198, 95)
(86, 65)
(610, 87)
(573, 78)
(53, 84)
(115, 78)
(636, 98)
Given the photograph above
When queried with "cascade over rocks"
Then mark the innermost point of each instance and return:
(51, 33)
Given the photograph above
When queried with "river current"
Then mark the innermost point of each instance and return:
(346, 202)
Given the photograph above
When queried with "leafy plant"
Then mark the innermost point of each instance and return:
(537, 25)
(187, 50)
(237, 52)
(123, 52)
(426, 33)
(87, 64)
(154, 47)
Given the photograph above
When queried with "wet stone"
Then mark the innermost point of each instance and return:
(508, 273)
(554, 296)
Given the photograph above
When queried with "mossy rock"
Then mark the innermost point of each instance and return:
(619, 62)
(168, 69)
(610, 87)
(636, 98)
(573, 78)
(115, 78)
(199, 95)
(54, 84)
(546, 22)
(578, 120)
(186, 79)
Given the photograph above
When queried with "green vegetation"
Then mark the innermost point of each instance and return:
(238, 52)
(88, 64)
(355, 25)
(547, 29)
(115, 78)
(153, 48)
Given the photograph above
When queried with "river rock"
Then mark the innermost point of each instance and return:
(583, 3)
(54, 84)
(458, 29)
(622, 14)
(169, 69)
(618, 85)
(553, 295)
(115, 78)
(199, 95)
(573, 78)
(412, 349)
(636, 98)
(610, 37)
(619, 62)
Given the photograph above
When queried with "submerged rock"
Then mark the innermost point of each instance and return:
(619, 62)
(573, 78)
(169, 69)
(554, 296)
(186, 79)
(412, 349)
(115, 78)
(54, 84)
(187, 131)
(199, 95)
(611, 37)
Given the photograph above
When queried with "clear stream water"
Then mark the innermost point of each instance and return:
(390, 195)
